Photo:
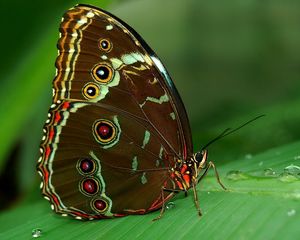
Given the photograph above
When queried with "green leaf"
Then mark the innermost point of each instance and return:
(262, 202)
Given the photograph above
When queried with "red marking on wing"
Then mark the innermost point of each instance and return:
(55, 199)
(57, 117)
(83, 215)
(66, 105)
(51, 134)
(47, 152)
(45, 174)
(119, 215)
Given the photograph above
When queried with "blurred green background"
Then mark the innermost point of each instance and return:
(230, 60)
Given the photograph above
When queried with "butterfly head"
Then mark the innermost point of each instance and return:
(200, 162)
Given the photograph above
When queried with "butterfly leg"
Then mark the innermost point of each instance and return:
(163, 207)
(196, 199)
(212, 165)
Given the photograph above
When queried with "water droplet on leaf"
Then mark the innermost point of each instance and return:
(269, 172)
(291, 212)
(260, 163)
(292, 169)
(235, 175)
(287, 177)
(170, 205)
(36, 233)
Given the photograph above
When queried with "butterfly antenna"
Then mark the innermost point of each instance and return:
(228, 131)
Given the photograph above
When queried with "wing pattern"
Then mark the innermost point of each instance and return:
(116, 125)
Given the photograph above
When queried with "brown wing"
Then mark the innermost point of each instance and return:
(117, 124)
(123, 171)
(101, 55)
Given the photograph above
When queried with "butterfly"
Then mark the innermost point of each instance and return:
(117, 140)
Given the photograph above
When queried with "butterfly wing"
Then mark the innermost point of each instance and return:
(81, 166)
(139, 83)
(109, 79)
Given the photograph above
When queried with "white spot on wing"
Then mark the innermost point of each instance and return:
(45, 197)
(82, 21)
(160, 100)
(161, 151)
(138, 57)
(146, 138)
(104, 57)
(134, 164)
(128, 59)
(90, 14)
(131, 58)
(137, 43)
(143, 178)
(109, 27)
(172, 115)
(116, 63)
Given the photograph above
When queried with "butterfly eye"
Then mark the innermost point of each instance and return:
(102, 73)
(90, 91)
(105, 45)
(104, 131)
(89, 186)
(86, 166)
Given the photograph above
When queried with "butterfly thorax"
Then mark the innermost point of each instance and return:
(187, 172)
